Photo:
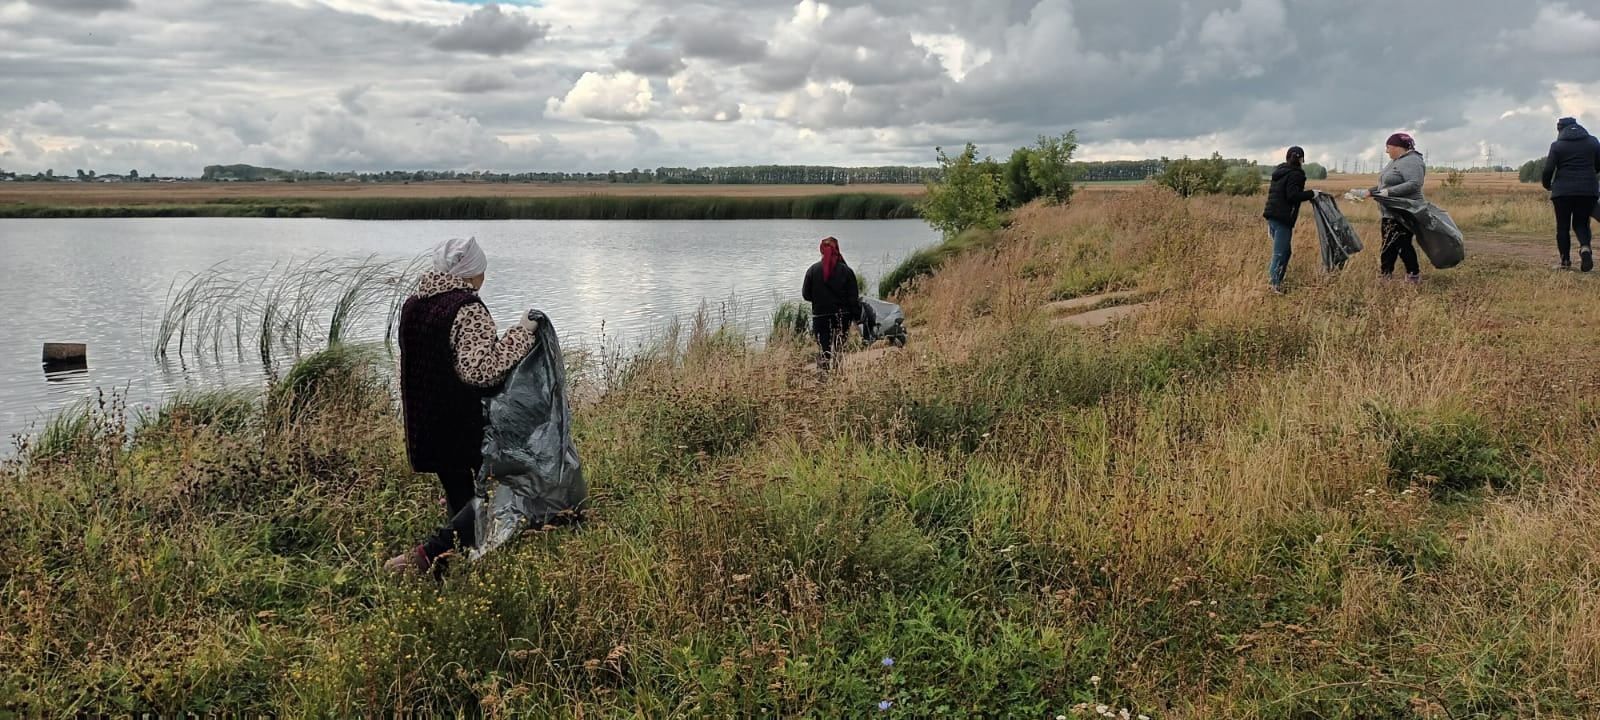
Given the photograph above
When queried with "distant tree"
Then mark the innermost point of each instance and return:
(133, 174)
(1050, 166)
(967, 197)
(1242, 180)
(1315, 171)
(1531, 171)
(1194, 177)
(82, 175)
(1019, 186)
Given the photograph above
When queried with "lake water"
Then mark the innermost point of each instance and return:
(106, 283)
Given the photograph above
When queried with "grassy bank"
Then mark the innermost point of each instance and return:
(1360, 500)
(592, 207)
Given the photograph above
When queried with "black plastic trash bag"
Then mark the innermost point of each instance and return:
(530, 474)
(1338, 239)
(882, 320)
(1436, 233)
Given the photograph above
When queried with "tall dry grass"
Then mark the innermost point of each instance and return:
(1359, 500)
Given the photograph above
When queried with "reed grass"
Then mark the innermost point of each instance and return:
(318, 302)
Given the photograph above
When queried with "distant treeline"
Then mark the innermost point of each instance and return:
(1112, 171)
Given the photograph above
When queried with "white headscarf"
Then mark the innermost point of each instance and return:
(460, 258)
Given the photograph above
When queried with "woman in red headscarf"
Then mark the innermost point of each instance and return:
(835, 299)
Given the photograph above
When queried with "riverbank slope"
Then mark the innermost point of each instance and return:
(1362, 499)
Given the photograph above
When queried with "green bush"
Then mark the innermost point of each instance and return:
(1531, 171)
(1315, 171)
(1050, 166)
(969, 196)
(1020, 188)
(1242, 180)
(1188, 177)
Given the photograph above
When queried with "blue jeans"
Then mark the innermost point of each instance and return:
(1282, 234)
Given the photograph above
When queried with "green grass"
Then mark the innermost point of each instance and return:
(927, 261)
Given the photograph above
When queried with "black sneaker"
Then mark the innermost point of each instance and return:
(1585, 259)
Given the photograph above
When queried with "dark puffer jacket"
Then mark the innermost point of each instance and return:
(837, 296)
(1569, 170)
(1288, 190)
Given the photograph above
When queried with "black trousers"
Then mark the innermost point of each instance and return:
(1397, 244)
(829, 330)
(461, 529)
(1572, 217)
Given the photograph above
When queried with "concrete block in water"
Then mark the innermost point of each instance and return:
(65, 352)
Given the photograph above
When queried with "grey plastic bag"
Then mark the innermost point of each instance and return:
(1436, 233)
(882, 320)
(530, 475)
(1338, 238)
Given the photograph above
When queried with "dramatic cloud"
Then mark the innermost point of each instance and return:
(491, 31)
(89, 7)
(171, 85)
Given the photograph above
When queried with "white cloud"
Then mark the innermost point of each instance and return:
(617, 97)
(699, 98)
(1562, 31)
(173, 85)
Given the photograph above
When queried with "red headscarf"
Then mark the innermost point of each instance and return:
(830, 256)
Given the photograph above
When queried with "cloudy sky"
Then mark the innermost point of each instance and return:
(168, 86)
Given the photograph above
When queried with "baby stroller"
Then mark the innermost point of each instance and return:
(882, 320)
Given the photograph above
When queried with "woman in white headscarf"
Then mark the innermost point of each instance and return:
(451, 356)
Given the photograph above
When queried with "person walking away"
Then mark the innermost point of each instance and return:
(1401, 178)
(1570, 175)
(831, 288)
(451, 357)
(1284, 197)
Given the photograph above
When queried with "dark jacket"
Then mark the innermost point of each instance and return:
(444, 415)
(1569, 170)
(838, 295)
(1288, 190)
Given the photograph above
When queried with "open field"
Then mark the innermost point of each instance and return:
(1360, 500)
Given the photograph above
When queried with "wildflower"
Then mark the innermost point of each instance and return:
(1095, 680)
(1144, 717)
(1102, 709)
(885, 705)
(888, 662)
(1061, 717)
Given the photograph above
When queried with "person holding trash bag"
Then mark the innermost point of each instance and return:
(451, 357)
(1401, 178)
(831, 288)
(1284, 196)
(1570, 176)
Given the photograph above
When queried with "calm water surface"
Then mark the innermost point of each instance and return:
(106, 282)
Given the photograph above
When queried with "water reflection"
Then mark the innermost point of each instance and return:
(615, 282)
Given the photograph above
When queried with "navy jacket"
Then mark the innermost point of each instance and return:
(1569, 170)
